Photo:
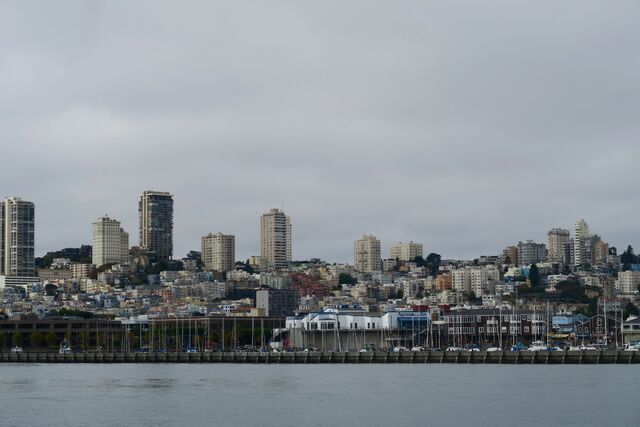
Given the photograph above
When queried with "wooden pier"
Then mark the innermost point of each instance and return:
(593, 357)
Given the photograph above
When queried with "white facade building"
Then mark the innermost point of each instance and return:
(628, 281)
(275, 239)
(218, 252)
(110, 242)
(581, 243)
(366, 255)
(406, 251)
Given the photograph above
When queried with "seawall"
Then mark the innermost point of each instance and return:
(479, 357)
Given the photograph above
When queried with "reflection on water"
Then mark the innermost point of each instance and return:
(317, 395)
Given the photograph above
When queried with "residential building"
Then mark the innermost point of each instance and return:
(461, 280)
(480, 278)
(443, 282)
(17, 238)
(275, 239)
(366, 254)
(277, 302)
(219, 252)
(110, 242)
(80, 271)
(599, 250)
(156, 224)
(558, 239)
(530, 252)
(628, 281)
(54, 274)
(406, 251)
(581, 243)
(510, 255)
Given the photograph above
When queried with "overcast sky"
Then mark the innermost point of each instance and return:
(464, 125)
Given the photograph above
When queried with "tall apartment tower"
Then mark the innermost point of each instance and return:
(366, 254)
(558, 239)
(156, 224)
(110, 242)
(530, 252)
(406, 251)
(581, 243)
(219, 252)
(275, 239)
(17, 238)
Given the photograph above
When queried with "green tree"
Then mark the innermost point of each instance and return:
(433, 263)
(571, 291)
(346, 279)
(16, 339)
(534, 276)
(420, 262)
(628, 257)
(51, 339)
(399, 294)
(36, 339)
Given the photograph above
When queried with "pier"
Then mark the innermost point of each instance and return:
(592, 357)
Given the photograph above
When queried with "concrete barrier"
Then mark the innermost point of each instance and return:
(405, 357)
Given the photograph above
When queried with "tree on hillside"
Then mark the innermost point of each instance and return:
(420, 262)
(534, 276)
(433, 263)
(346, 279)
(628, 257)
(80, 255)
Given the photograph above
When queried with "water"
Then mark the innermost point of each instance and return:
(318, 395)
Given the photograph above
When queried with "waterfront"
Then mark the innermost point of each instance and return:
(317, 395)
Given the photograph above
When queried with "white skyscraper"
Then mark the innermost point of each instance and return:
(366, 254)
(219, 252)
(110, 242)
(275, 239)
(17, 238)
(581, 243)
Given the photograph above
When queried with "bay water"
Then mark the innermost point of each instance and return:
(318, 395)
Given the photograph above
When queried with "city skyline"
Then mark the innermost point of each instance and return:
(415, 137)
(386, 246)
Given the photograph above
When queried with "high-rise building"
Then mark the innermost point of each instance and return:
(581, 243)
(510, 255)
(366, 254)
(406, 251)
(600, 250)
(156, 224)
(461, 280)
(218, 252)
(110, 242)
(530, 252)
(275, 239)
(558, 238)
(17, 238)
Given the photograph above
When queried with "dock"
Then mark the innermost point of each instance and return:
(590, 357)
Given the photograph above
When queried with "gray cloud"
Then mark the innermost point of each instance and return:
(463, 125)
